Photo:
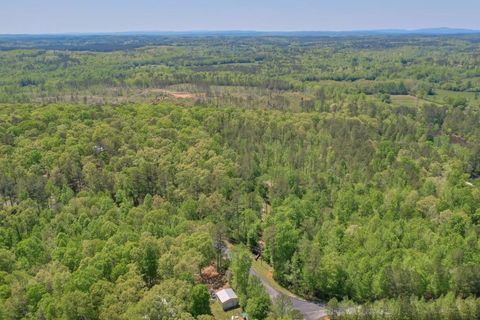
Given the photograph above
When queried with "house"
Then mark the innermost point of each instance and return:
(227, 298)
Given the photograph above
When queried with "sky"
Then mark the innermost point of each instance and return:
(90, 16)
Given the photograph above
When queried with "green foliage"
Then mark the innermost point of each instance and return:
(149, 263)
(200, 301)
(31, 251)
(240, 267)
(333, 308)
(258, 304)
(351, 164)
(447, 307)
(249, 228)
(282, 309)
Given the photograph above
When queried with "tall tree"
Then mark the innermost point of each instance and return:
(241, 264)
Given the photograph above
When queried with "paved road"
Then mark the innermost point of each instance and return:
(310, 310)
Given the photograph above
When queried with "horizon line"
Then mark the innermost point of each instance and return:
(451, 30)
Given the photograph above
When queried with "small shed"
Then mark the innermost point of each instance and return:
(227, 298)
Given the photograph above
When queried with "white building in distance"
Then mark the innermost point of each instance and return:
(227, 298)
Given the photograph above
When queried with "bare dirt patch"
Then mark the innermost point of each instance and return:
(173, 94)
(212, 278)
(182, 95)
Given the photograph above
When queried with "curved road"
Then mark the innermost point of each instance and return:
(310, 310)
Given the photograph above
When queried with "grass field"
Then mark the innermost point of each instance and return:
(442, 95)
(219, 314)
(405, 100)
(448, 93)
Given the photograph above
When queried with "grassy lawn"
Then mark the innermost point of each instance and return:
(219, 314)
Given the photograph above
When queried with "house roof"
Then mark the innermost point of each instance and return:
(226, 294)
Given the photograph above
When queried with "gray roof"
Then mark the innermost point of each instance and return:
(226, 294)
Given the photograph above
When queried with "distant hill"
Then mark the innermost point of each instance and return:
(426, 31)
(440, 31)
(130, 40)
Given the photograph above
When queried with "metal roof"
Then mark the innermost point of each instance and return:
(226, 294)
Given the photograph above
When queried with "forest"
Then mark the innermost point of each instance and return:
(349, 165)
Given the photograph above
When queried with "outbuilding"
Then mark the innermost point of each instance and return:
(227, 298)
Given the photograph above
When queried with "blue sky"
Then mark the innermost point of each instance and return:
(60, 16)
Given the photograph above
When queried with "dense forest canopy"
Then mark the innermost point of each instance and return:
(351, 163)
(56, 69)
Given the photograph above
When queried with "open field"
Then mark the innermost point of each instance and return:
(406, 100)
(441, 95)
